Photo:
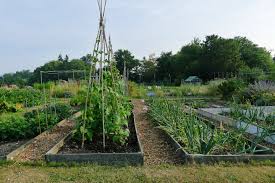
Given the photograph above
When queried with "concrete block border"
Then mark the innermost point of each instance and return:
(210, 159)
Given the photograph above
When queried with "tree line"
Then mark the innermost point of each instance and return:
(205, 59)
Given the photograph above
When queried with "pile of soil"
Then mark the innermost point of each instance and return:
(72, 146)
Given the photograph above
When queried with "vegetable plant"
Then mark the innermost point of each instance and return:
(27, 125)
(197, 135)
(117, 110)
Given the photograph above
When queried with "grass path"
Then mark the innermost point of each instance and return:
(160, 173)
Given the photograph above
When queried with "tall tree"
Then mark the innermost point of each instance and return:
(188, 60)
(253, 55)
(60, 58)
(165, 67)
(87, 59)
(20, 78)
(125, 56)
(219, 55)
(66, 59)
(149, 70)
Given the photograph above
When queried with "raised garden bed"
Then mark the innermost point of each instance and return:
(208, 159)
(70, 152)
(204, 141)
(9, 150)
(7, 147)
(251, 129)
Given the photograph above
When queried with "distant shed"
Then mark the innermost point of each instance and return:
(193, 80)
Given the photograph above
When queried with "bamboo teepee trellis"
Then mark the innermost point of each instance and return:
(101, 58)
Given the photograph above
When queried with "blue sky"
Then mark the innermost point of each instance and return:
(32, 32)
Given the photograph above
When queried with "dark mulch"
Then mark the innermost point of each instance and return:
(72, 146)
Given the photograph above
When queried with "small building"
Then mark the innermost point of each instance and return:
(193, 80)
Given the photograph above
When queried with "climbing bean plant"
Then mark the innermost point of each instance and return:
(117, 110)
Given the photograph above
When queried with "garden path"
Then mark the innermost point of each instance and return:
(156, 148)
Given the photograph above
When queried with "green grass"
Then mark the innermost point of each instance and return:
(255, 172)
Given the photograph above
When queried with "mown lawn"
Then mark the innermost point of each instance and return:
(14, 172)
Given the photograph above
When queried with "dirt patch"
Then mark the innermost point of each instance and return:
(71, 146)
(44, 142)
(156, 148)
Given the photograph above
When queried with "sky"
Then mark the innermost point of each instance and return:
(33, 32)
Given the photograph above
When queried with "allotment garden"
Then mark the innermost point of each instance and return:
(106, 127)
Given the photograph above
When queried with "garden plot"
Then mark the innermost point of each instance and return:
(243, 119)
(16, 129)
(267, 110)
(69, 150)
(198, 140)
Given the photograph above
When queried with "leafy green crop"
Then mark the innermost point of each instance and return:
(6, 107)
(117, 110)
(196, 135)
(21, 126)
(28, 97)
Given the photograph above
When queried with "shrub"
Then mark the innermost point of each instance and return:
(213, 87)
(250, 75)
(260, 93)
(230, 87)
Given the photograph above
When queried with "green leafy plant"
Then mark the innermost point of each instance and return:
(27, 97)
(253, 115)
(228, 88)
(6, 107)
(197, 135)
(117, 111)
(27, 125)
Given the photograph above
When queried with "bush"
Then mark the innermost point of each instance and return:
(251, 75)
(228, 88)
(213, 87)
(260, 93)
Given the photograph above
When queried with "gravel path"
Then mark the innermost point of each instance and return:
(156, 149)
